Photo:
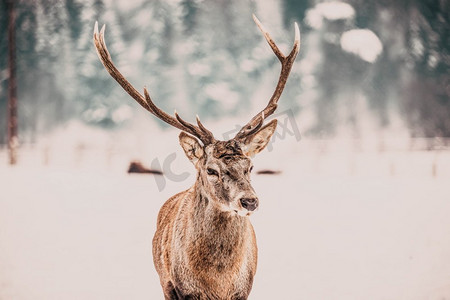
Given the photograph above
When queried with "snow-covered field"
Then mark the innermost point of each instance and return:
(334, 225)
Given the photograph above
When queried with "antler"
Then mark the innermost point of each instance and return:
(286, 65)
(146, 102)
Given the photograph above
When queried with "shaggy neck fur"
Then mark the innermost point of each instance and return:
(217, 234)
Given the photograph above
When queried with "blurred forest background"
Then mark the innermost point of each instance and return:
(365, 66)
(356, 209)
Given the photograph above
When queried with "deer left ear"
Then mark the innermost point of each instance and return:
(191, 146)
(259, 140)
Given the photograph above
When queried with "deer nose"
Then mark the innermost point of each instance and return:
(249, 203)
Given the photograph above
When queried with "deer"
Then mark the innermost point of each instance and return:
(205, 246)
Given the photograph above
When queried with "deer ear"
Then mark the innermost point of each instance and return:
(259, 140)
(191, 146)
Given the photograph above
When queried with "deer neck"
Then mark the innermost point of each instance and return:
(211, 220)
(220, 235)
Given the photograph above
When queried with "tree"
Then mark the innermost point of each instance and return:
(13, 140)
(426, 91)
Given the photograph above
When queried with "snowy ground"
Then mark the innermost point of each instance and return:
(333, 225)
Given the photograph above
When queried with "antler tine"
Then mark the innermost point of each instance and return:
(161, 114)
(269, 39)
(202, 127)
(146, 102)
(286, 66)
(205, 136)
(105, 58)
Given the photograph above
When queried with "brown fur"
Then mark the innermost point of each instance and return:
(204, 254)
(205, 246)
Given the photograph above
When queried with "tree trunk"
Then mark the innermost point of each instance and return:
(13, 140)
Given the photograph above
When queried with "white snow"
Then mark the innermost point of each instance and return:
(332, 11)
(222, 93)
(335, 10)
(363, 43)
(199, 69)
(122, 113)
(336, 224)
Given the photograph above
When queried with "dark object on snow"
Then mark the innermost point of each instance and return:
(268, 172)
(137, 167)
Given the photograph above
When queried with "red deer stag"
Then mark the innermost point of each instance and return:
(204, 246)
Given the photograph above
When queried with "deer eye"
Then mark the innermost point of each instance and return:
(212, 172)
(251, 168)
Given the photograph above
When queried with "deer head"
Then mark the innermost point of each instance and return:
(223, 167)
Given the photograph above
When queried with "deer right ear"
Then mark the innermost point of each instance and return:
(191, 146)
(259, 140)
